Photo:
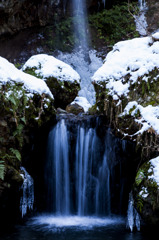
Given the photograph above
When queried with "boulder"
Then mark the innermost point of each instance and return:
(74, 108)
(63, 81)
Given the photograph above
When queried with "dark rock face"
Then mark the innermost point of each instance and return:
(17, 15)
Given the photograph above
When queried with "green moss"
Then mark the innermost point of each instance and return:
(93, 110)
(20, 112)
(115, 24)
(32, 72)
(2, 170)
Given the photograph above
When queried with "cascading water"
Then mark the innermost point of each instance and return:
(80, 24)
(90, 192)
(79, 171)
(82, 59)
(142, 3)
(91, 188)
(140, 19)
(57, 170)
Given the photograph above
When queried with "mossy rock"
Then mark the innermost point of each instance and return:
(146, 194)
(64, 91)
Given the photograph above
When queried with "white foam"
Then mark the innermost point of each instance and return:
(52, 222)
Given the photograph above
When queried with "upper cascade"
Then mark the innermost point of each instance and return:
(81, 23)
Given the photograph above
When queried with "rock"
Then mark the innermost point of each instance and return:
(152, 15)
(61, 111)
(3, 123)
(63, 81)
(22, 113)
(127, 90)
(155, 36)
(17, 15)
(74, 108)
(146, 192)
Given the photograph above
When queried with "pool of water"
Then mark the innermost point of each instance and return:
(75, 228)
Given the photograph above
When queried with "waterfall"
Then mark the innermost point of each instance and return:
(140, 19)
(57, 170)
(80, 23)
(103, 188)
(133, 218)
(142, 4)
(83, 187)
(104, 2)
(27, 199)
(82, 59)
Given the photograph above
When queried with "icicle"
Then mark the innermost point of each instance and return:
(133, 218)
(27, 199)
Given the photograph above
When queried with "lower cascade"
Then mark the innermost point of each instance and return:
(83, 175)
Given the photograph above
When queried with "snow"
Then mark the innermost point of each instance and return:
(83, 102)
(155, 164)
(133, 58)
(48, 66)
(149, 116)
(144, 192)
(9, 73)
(156, 36)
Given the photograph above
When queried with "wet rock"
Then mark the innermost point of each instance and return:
(74, 108)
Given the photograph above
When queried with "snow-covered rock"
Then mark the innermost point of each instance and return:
(9, 73)
(83, 102)
(63, 81)
(129, 81)
(126, 63)
(48, 66)
(146, 190)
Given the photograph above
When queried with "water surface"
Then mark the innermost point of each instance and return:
(49, 227)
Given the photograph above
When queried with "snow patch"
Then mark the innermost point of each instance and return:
(155, 164)
(149, 116)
